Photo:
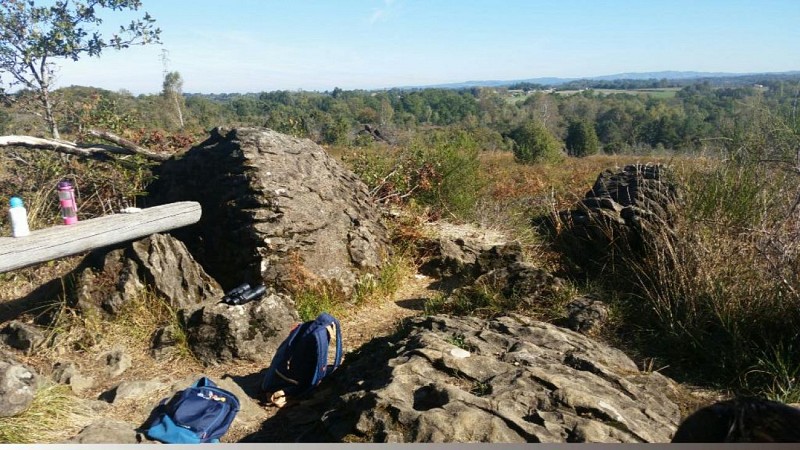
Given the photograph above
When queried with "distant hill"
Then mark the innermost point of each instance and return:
(669, 75)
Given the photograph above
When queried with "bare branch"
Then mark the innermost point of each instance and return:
(126, 144)
(72, 148)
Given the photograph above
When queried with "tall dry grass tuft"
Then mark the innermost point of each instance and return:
(720, 294)
(132, 328)
(54, 415)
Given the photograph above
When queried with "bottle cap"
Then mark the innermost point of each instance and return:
(15, 202)
(64, 185)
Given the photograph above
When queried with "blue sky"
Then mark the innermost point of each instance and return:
(264, 45)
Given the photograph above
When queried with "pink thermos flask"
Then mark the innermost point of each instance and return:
(66, 198)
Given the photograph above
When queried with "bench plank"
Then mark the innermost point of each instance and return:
(65, 240)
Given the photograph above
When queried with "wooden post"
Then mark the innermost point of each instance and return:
(65, 240)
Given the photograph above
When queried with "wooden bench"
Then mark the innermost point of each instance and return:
(65, 240)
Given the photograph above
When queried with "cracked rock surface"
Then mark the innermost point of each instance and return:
(275, 207)
(523, 381)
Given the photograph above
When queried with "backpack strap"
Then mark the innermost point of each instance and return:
(284, 349)
(323, 341)
(338, 359)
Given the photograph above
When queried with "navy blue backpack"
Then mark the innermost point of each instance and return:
(301, 361)
(200, 413)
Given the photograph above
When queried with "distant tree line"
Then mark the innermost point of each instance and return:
(697, 116)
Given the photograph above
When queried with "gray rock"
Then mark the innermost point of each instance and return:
(108, 432)
(131, 390)
(107, 279)
(69, 373)
(520, 284)
(524, 381)
(220, 333)
(466, 259)
(623, 211)
(250, 415)
(18, 384)
(165, 340)
(275, 207)
(586, 314)
(97, 406)
(116, 362)
(22, 336)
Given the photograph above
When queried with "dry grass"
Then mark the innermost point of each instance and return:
(313, 296)
(83, 339)
(717, 302)
(718, 297)
(55, 415)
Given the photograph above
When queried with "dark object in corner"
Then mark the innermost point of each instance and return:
(741, 420)
(243, 294)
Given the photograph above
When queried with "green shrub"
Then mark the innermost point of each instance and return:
(533, 143)
(439, 169)
(450, 179)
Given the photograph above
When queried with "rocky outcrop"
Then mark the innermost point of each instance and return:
(275, 208)
(466, 259)
(373, 134)
(215, 332)
(111, 277)
(509, 379)
(520, 282)
(624, 208)
(471, 268)
(219, 333)
(18, 385)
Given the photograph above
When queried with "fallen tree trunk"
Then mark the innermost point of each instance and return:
(72, 148)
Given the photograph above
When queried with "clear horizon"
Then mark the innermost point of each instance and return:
(253, 46)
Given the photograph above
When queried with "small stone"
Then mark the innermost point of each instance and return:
(69, 374)
(459, 353)
(117, 362)
(17, 387)
(136, 389)
(22, 336)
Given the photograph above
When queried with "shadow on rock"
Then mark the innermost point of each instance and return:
(415, 304)
(36, 302)
(250, 384)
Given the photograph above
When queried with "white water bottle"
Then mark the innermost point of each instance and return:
(19, 218)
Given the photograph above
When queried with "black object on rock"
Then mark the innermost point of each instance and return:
(741, 420)
(243, 294)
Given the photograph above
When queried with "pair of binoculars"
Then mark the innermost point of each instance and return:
(243, 294)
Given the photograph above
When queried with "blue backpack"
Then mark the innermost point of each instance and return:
(301, 361)
(200, 413)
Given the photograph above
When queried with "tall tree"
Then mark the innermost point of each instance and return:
(32, 36)
(582, 139)
(173, 93)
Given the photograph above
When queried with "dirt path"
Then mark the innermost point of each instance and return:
(381, 319)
